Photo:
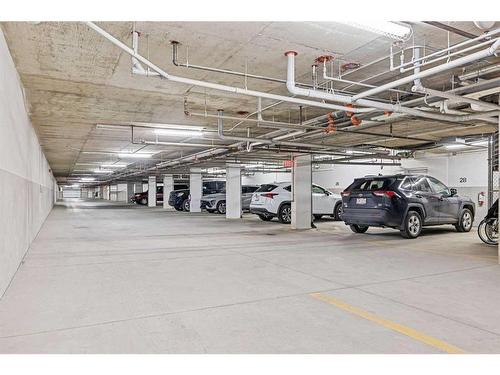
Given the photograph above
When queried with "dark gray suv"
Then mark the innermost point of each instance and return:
(404, 202)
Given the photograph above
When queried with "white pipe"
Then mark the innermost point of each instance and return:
(440, 52)
(397, 108)
(455, 98)
(215, 86)
(487, 52)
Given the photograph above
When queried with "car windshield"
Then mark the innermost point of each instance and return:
(370, 184)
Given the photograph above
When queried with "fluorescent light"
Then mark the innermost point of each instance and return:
(387, 28)
(102, 171)
(455, 146)
(179, 132)
(87, 179)
(117, 165)
(479, 143)
(135, 156)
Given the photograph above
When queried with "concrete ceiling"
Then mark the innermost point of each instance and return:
(75, 79)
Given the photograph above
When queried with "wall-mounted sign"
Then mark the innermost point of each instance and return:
(287, 163)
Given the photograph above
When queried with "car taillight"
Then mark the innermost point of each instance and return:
(269, 195)
(345, 193)
(381, 193)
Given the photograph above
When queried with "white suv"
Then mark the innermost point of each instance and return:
(274, 200)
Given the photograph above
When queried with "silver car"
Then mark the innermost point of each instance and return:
(217, 202)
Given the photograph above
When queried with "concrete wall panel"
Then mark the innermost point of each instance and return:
(26, 181)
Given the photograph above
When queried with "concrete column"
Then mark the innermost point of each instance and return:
(138, 187)
(152, 191)
(302, 192)
(130, 190)
(195, 189)
(233, 191)
(101, 192)
(168, 187)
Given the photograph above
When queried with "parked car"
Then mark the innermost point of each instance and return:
(274, 200)
(179, 199)
(142, 198)
(404, 202)
(217, 202)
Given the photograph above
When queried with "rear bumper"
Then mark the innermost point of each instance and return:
(175, 202)
(376, 217)
(260, 211)
(206, 205)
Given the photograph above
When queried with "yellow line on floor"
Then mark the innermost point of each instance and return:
(410, 332)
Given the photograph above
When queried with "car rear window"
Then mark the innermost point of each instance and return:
(266, 188)
(371, 184)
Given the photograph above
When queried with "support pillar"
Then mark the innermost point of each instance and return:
(152, 191)
(302, 192)
(138, 187)
(168, 187)
(233, 191)
(195, 189)
(129, 191)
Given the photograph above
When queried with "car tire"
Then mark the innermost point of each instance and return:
(144, 201)
(412, 225)
(358, 228)
(265, 217)
(285, 214)
(465, 221)
(337, 212)
(221, 207)
(185, 205)
(317, 217)
(178, 208)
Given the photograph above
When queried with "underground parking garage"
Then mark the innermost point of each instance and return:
(249, 187)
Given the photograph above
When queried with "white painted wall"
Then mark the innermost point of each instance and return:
(26, 182)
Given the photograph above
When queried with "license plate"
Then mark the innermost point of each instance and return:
(360, 200)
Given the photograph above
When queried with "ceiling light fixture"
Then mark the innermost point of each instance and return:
(179, 132)
(87, 179)
(393, 30)
(479, 143)
(117, 165)
(455, 146)
(101, 171)
(134, 156)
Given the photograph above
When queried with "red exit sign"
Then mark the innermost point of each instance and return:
(288, 163)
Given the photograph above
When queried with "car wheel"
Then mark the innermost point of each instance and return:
(337, 212)
(285, 214)
(412, 225)
(221, 207)
(358, 228)
(178, 208)
(317, 217)
(144, 201)
(265, 217)
(185, 205)
(465, 221)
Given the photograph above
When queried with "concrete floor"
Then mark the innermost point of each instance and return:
(105, 278)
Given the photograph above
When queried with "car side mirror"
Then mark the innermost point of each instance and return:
(453, 192)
